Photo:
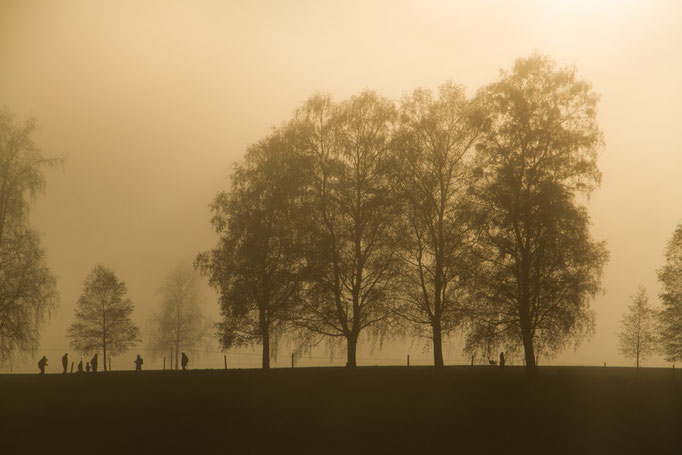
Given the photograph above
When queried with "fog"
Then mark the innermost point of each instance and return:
(152, 101)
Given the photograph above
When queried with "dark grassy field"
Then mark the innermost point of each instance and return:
(334, 410)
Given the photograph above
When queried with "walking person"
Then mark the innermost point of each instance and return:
(93, 363)
(501, 359)
(65, 362)
(185, 361)
(42, 363)
(138, 363)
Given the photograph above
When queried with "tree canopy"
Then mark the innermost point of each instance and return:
(670, 277)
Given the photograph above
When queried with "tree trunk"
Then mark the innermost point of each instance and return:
(104, 356)
(352, 340)
(437, 346)
(265, 335)
(524, 318)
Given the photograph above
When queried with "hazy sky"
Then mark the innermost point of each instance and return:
(151, 101)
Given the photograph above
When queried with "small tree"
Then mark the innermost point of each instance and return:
(670, 277)
(637, 337)
(27, 286)
(180, 322)
(103, 316)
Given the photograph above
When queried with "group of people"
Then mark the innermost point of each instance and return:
(92, 364)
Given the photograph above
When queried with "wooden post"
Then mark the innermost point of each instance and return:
(408, 360)
(71, 367)
(225, 359)
(164, 363)
(673, 370)
(171, 360)
(472, 360)
(292, 360)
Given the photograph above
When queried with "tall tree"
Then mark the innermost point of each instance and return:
(103, 316)
(256, 266)
(27, 287)
(538, 163)
(637, 336)
(670, 277)
(435, 143)
(354, 211)
(180, 322)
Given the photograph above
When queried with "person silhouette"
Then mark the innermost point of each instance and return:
(80, 366)
(185, 361)
(138, 363)
(65, 362)
(42, 363)
(87, 367)
(501, 359)
(93, 363)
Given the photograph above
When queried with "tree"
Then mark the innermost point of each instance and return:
(27, 286)
(354, 211)
(256, 266)
(537, 157)
(435, 144)
(637, 337)
(180, 322)
(103, 316)
(670, 277)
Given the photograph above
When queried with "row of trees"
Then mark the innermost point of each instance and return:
(367, 218)
(103, 316)
(646, 330)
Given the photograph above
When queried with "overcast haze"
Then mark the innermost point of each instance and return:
(152, 101)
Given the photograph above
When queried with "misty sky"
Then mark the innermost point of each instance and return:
(151, 102)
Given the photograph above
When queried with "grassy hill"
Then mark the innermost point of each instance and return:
(334, 410)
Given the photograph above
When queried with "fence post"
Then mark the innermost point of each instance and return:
(408, 360)
(109, 363)
(673, 370)
(164, 363)
(225, 359)
(292, 360)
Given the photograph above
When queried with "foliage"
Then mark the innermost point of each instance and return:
(537, 157)
(670, 277)
(637, 337)
(180, 322)
(27, 287)
(103, 316)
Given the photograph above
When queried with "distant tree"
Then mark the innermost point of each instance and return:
(637, 337)
(103, 316)
(435, 145)
(180, 322)
(670, 277)
(27, 287)
(537, 164)
(257, 267)
(352, 223)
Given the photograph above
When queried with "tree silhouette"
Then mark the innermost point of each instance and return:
(103, 316)
(670, 277)
(434, 141)
(353, 218)
(27, 287)
(637, 336)
(256, 266)
(537, 162)
(180, 322)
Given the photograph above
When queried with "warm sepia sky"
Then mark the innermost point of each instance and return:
(152, 101)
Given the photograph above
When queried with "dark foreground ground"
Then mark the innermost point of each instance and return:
(333, 410)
